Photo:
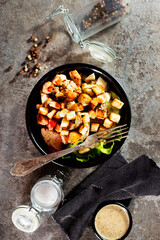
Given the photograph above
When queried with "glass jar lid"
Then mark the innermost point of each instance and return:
(26, 218)
(46, 195)
(98, 50)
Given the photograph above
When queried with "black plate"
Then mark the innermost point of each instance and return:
(34, 98)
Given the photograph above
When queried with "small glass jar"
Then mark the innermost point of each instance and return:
(93, 18)
(46, 195)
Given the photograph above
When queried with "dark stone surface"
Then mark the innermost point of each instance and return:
(136, 40)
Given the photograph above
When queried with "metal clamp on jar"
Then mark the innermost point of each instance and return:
(46, 195)
(92, 19)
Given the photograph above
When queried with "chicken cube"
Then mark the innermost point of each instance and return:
(98, 89)
(42, 120)
(86, 118)
(107, 123)
(38, 106)
(64, 123)
(114, 117)
(71, 115)
(92, 114)
(51, 114)
(104, 97)
(62, 105)
(101, 114)
(76, 77)
(59, 94)
(57, 80)
(71, 96)
(94, 127)
(83, 130)
(94, 103)
(74, 137)
(47, 87)
(102, 82)
(84, 98)
(77, 107)
(90, 78)
(64, 112)
(58, 115)
(117, 103)
(101, 128)
(65, 139)
(64, 132)
(83, 150)
(54, 104)
(57, 128)
(43, 110)
(44, 97)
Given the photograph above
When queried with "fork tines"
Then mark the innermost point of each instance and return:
(118, 132)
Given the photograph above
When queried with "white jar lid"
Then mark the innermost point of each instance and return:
(26, 218)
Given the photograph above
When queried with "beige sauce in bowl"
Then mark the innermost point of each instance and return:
(112, 222)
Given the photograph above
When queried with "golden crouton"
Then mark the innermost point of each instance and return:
(114, 117)
(71, 115)
(107, 123)
(104, 97)
(101, 128)
(74, 137)
(94, 127)
(64, 123)
(57, 128)
(101, 114)
(83, 130)
(44, 97)
(71, 96)
(59, 94)
(42, 120)
(38, 106)
(57, 80)
(86, 118)
(84, 98)
(83, 150)
(117, 103)
(94, 103)
(62, 105)
(47, 102)
(43, 111)
(92, 114)
(77, 107)
(47, 87)
(102, 82)
(64, 132)
(98, 89)
(51, 114)
(75, 76)
(90, 78)
(88, 91)
(54, 104)
(58, 115)
(65, 139)
(64, 112)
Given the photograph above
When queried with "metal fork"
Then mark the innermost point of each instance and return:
(24, 167)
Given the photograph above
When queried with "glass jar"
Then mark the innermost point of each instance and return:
(46, 195)
(93, 18)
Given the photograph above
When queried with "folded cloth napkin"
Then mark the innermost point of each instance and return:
(114, 180)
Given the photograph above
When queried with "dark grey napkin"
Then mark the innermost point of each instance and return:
(114, 180)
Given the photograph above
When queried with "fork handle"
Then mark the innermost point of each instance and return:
(24, 167)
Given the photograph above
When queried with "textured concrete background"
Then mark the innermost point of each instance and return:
(136, 40)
